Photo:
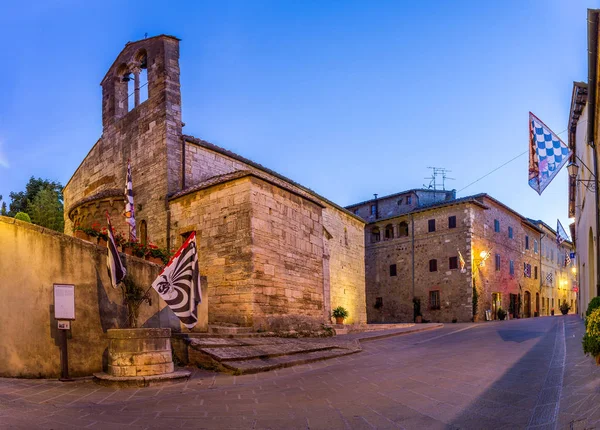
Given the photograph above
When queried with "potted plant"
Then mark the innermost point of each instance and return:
(155, 254)
(418, 317)
(552, 311)
(103, 237)
(79, 233)
(340, 313)
(591, 339)
(501, 314)
(564, 308)
(139, 249)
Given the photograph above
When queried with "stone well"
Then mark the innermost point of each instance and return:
(139, 352)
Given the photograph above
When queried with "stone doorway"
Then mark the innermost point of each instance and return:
(496, 304)
(527, 305)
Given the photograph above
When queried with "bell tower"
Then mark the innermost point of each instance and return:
(148, 132)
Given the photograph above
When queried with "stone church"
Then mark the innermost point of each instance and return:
(269, 247)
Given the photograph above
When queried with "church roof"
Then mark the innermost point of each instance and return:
(264, 169)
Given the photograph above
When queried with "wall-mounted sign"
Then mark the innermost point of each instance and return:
(64, 302)
(64, 325)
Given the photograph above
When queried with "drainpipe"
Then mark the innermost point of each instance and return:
(591, 129)
(412, 235)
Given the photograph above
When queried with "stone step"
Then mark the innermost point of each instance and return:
(256, 365)
(226, 330)
(248, 352)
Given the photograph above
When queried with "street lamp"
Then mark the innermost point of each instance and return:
(573, 169)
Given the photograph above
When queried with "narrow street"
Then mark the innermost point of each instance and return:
(527, 373)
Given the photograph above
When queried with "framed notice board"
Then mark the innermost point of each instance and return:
(64, 302)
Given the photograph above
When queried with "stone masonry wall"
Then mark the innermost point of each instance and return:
(287, 247)
(346, 254)
(221, 217)
(396, 291)
(488, 278)
(32, 259)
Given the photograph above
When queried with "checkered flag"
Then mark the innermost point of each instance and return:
(547, 154)
(549, 278)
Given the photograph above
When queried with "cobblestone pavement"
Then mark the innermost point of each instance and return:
(510, 374)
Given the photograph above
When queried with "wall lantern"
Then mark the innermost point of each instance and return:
(573, 169)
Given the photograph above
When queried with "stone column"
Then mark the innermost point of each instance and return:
(136, 86)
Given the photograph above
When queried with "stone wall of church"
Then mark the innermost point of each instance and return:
(221, 217)
(287, 246)
(346, 254)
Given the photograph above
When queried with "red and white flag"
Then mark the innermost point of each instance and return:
(179, 283)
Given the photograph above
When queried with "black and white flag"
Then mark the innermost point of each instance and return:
(129, 209)
(116, 270)
(179, 283)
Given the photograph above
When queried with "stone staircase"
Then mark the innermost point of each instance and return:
(258, 354)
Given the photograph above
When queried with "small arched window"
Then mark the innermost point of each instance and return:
(141, 58)
(403, 229)
(375, 234)
(389, 231)
(143, 232)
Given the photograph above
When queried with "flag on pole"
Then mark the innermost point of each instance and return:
(547, 154)
(179, 283)
(567, 259)
(116, 270)
(129, 210)
(561, 234)
(549, 278)
(461, 261)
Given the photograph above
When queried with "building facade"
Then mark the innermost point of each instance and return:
(269, 247)
(582, 197)
(441, 252)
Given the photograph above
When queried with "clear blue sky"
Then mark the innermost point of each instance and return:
(349, 98)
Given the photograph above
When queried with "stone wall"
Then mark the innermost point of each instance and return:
(287, 247)
(396, 291)
(32, 259)
(221, 217)
(346, 265)
(488, 278)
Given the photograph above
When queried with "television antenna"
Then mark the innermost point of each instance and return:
(438, 175)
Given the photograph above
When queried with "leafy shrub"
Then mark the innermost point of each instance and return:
(591, 339)
(22, 216)
(564, 308)
(340, 312)
(501, 314)
(594, 304)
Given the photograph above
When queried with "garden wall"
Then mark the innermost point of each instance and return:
(32, 259)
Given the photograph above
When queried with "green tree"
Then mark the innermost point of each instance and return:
(46, 210)
(20, 200)
(42, 200)
(3, 210)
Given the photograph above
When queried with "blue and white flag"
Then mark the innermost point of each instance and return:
(561, 234)
(547, 154)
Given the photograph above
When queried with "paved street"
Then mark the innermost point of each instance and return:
(511, 374)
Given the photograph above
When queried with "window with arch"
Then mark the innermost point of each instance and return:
(143, 232)
(389, 231)
(141, 58)
(403, 229)
(375, 235)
